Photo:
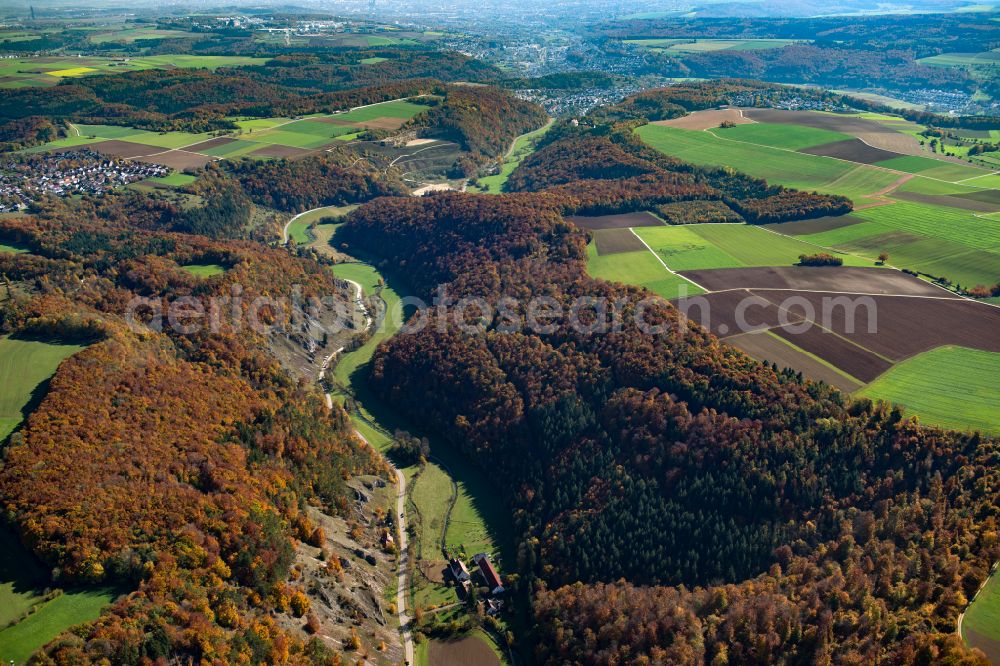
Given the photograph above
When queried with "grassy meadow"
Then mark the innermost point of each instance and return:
(951, 387)
(204, 270)
(776, 165)
(26, 365)
(699, 246)
(524, 146)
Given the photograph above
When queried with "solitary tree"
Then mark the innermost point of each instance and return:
(883, 257)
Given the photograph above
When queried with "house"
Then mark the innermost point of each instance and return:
(458, 570)
(489, 574)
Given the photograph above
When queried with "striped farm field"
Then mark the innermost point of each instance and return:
(951, 387)
(701, 246)
(940, 241)
(640, 268)
(792, 137)
(778, 166)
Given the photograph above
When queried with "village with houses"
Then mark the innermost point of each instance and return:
(27, 178)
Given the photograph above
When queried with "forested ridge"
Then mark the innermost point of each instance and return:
(178, 466)
(598, 168)
(677, 501)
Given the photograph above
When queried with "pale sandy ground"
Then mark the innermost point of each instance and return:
(708, 119)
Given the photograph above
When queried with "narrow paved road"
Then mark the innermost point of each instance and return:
(404, 558)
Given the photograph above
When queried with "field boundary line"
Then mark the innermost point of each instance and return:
(840, 159)
(664, 264)
(961, 616)
(850, 342)
(953, 297)
(818, 359)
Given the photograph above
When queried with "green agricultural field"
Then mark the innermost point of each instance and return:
(642, 269)
(175, 179)
(316, 128)
(159, 139)
(655, 43)
(294, 139)
(69, 609)
(703, 45)
(929, 167)
(394, 109)
(181, 61)
(985, 58)
(372, 61)
(791, 137)
(778, 166)
(47, 71)
(131, 34)
(431, 495)
(256, 124)
(951, 387)
(232, 149)
(25, 365)
(204, 270)
(524, 146)
(699, 246)
(983, 615)
(940, 241)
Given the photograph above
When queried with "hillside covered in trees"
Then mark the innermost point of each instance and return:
(174, 464)
(677, 501)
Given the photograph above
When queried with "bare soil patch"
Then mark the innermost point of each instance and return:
(719, 312)
(618, 221)
(179, 159)
(988, 645)
(898, 327)
(383, 123)
(853, 150)
(708, 119)
(988, 196)
(840, 352)
(277, 150)
(616, 241)
(814, 226)
(433, 570)
(469, 651)
(853, 279)
(873, 133)
(119, 148)
(336, 121)
(210, 143)
(962, 201)
(765, 347)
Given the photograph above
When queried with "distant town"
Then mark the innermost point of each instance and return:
(26, 179)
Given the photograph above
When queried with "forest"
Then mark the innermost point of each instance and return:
(677, 501)
(671, 461)
(602, 168)
(176, 466)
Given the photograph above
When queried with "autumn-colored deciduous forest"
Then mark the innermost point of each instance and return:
(677, 501)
